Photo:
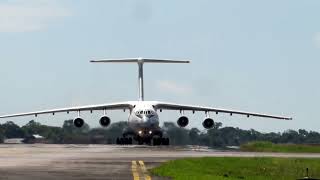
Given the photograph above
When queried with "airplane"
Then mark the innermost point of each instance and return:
(143, 120)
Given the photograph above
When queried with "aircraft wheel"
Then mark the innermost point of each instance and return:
(124, 141)
(148, 141)
(156, 141)
(140, 142)
(165, 141)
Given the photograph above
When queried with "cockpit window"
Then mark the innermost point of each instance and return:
(146, 112)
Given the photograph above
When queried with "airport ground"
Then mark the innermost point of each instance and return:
(80, 162)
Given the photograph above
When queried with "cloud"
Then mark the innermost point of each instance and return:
(173, 87)
(30, 15)
(316, 39)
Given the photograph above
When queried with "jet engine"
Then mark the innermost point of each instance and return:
(183, 121)
(104, 121)
(208, 123)
(78, 122)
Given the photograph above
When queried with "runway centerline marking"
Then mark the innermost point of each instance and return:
(139, 171)
(144, 170)
(134, 169)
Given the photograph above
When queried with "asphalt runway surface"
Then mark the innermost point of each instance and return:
(84, 162)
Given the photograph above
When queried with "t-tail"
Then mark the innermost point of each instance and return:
(140, 62)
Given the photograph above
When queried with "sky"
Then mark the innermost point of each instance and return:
(258, 56)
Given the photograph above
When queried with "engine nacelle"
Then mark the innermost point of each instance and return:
(208, 123)
(78, 122)
(105, 121)
(183, 121)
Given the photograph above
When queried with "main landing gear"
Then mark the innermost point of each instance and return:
(154, 141)
(124, 141)
(160, 141)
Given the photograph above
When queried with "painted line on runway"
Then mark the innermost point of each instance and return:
(134, 169)
(139, 171)
(144, 171)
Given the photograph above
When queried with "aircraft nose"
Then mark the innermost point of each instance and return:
(145, 118)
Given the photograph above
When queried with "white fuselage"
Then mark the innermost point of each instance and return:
(143, 117)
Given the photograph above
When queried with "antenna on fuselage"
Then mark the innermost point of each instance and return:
(140, 62)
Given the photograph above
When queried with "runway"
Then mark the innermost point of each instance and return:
(84, 162)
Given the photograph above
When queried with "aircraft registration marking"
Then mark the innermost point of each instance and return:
(139, 171)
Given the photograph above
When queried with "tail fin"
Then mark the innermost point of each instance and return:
(140, 62)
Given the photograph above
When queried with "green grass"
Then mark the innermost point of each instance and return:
(261, 146)
(233, 168)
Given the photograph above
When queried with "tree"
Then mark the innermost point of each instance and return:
(32, 127)
(177, 135)
(290, 136)
(1, 135)
(216, 137)
(194, 135)
(217, 125)
(11, 130)
(109, 134)
(313, 138)
(73, 134)
(53, 134)
(68, 127)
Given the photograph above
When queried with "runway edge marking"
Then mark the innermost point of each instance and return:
(134, 169)
(144, 170)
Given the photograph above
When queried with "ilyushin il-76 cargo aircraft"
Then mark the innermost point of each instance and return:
(143, 120)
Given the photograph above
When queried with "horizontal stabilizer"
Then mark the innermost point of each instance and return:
(139, 60)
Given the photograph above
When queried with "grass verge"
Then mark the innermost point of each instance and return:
(232, 168)
(261, 146)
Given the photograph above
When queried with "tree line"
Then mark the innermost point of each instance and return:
(218, 136)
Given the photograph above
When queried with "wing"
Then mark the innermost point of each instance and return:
(121, 105)
(181, 107)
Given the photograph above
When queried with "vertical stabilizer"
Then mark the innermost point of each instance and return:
(140, 82)
(140, 62)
